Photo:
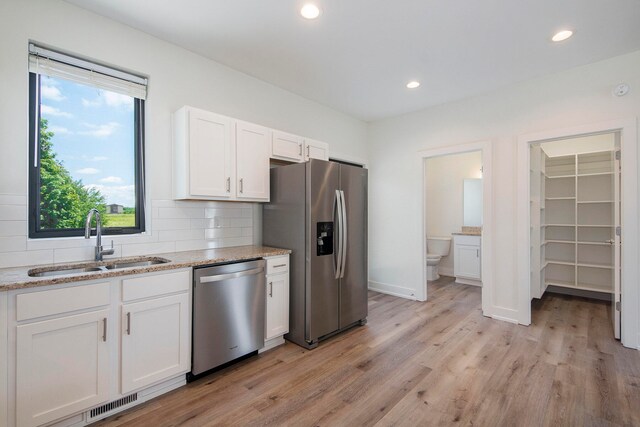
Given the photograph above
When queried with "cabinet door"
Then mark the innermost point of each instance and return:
(277, 322)
(467, 261)
(155, 340)
(315, 150)
(211, 153)
(252, 161)
(287, 147)
(62, 367)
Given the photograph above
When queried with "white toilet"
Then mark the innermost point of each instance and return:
(437, 247)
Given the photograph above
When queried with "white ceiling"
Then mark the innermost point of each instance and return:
(359, 55)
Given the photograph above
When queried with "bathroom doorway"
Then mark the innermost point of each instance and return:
(453, 194)
(457, 217)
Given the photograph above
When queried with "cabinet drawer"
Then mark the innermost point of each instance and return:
(277, 265)
(155, 285)
(467, 240)
(57, 301)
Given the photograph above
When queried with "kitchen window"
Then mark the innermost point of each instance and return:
(86, 145)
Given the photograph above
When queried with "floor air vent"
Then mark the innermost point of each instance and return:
(111, 406)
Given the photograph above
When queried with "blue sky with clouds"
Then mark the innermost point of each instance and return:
(93, 136)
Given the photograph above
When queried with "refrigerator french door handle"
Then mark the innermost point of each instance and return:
(343, 232)
(337, 213)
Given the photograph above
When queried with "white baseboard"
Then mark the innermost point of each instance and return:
(272, 343)
(396, 291)
(468, 281)
(503, 314)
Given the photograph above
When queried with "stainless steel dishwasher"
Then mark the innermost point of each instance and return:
(228, 313)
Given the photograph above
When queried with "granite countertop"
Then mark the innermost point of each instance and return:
(18, 277)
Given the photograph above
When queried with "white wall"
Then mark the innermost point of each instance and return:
(444, 196)
(574, 97)
(177, 77)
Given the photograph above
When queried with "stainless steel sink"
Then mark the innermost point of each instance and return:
(38, 272)
(93, 267)
(121, 264)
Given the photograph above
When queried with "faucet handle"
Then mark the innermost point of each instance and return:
(108, 251)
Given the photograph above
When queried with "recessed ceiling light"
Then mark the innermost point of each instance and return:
(412, 85)
(562, 35)
(310, 11)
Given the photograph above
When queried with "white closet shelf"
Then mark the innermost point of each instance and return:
(560, 225)
(595, 226)
(607, 266)
(560, 198)
(594, 243)
(558, 262)
(586, 287)
(560, 283)
(594, 201)
(560, 176)
(559, 241)
(595, 174)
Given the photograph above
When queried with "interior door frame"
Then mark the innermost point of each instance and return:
(485, 148)
(629, 218)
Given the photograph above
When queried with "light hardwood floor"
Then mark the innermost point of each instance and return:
(422, 364)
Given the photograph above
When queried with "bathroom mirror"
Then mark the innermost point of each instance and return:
(472, 203)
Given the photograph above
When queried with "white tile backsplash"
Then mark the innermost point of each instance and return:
(13, 228)
(13, 212)
(178, 225)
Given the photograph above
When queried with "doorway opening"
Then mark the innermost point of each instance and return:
(575, 216)
(457, 217)
(453, 194)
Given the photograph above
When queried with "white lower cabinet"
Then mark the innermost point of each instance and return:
(467, 259)
(82, 345)
(155, 340)
(277, 321)
(277, 308)
(62, 367)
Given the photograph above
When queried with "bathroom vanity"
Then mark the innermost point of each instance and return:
(467, 258)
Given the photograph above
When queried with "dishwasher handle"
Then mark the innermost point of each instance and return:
(218, 277)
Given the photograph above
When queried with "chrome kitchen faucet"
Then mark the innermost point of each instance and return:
(87, 234)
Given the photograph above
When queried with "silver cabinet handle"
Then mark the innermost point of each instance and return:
(241, 185)
(477, 253)
(279, 265)
(300, 147)
(308, 155)
(228, 184)
(271, 289)
(218, 277)
(129, 323)
(104, 329)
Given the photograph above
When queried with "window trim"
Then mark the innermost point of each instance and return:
(34, 171)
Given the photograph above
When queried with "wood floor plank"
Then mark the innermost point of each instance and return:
(434, 363)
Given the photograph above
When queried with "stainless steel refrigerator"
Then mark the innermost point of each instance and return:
(318, 209)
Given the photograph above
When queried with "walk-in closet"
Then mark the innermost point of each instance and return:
(575, 217)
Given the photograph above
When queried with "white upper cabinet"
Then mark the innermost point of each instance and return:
(252, 161)
(315, 150)
(204, 145)
(221, 158)
(285, 146)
